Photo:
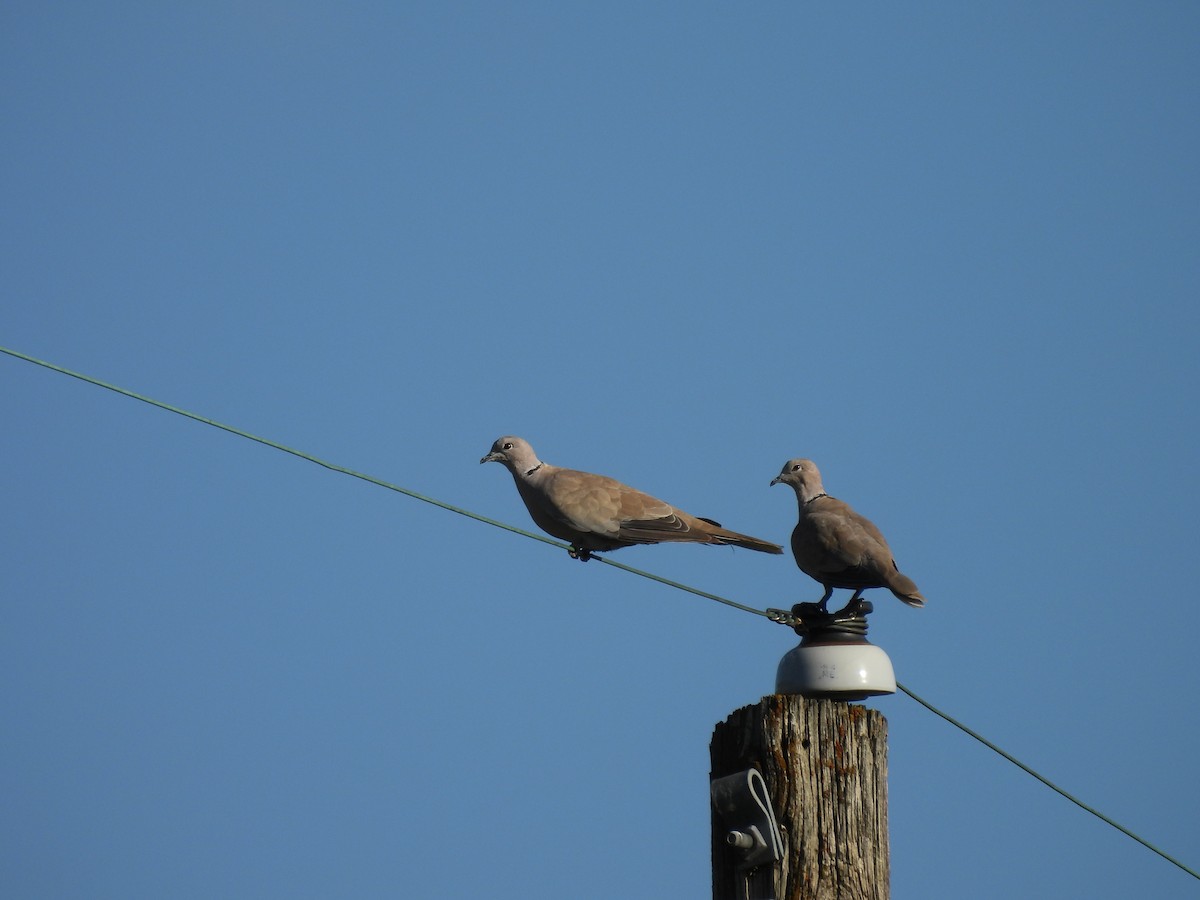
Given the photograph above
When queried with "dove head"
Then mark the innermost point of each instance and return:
(515, 453)
(803, 476)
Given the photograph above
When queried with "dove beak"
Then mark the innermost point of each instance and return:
(494, 456)
(776, 480)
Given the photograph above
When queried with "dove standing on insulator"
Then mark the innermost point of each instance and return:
(835, 545)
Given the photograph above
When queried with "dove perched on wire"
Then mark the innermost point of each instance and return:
(596, 513)
(835, 545)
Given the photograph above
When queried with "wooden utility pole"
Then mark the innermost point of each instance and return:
(825, 767)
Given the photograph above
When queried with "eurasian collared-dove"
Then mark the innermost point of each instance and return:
(594, 512)
(835, 545)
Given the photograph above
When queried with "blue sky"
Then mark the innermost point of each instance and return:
(947, 251)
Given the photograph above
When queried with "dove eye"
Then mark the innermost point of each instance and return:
(508, 445)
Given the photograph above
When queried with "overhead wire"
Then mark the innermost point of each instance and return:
(545, 540)
(1044, 780)
(371, 479)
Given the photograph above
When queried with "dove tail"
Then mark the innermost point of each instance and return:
(906, 589)
(725, 536)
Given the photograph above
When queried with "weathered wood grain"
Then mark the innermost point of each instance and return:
(825, 765)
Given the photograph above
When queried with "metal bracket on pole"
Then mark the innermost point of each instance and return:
(744, 806)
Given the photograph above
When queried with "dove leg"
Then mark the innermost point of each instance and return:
(580, 553)
(821, 604)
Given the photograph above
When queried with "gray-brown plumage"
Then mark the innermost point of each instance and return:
(835, 545)
(596, 513)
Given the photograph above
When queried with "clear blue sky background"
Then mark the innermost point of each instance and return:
(950, 251)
